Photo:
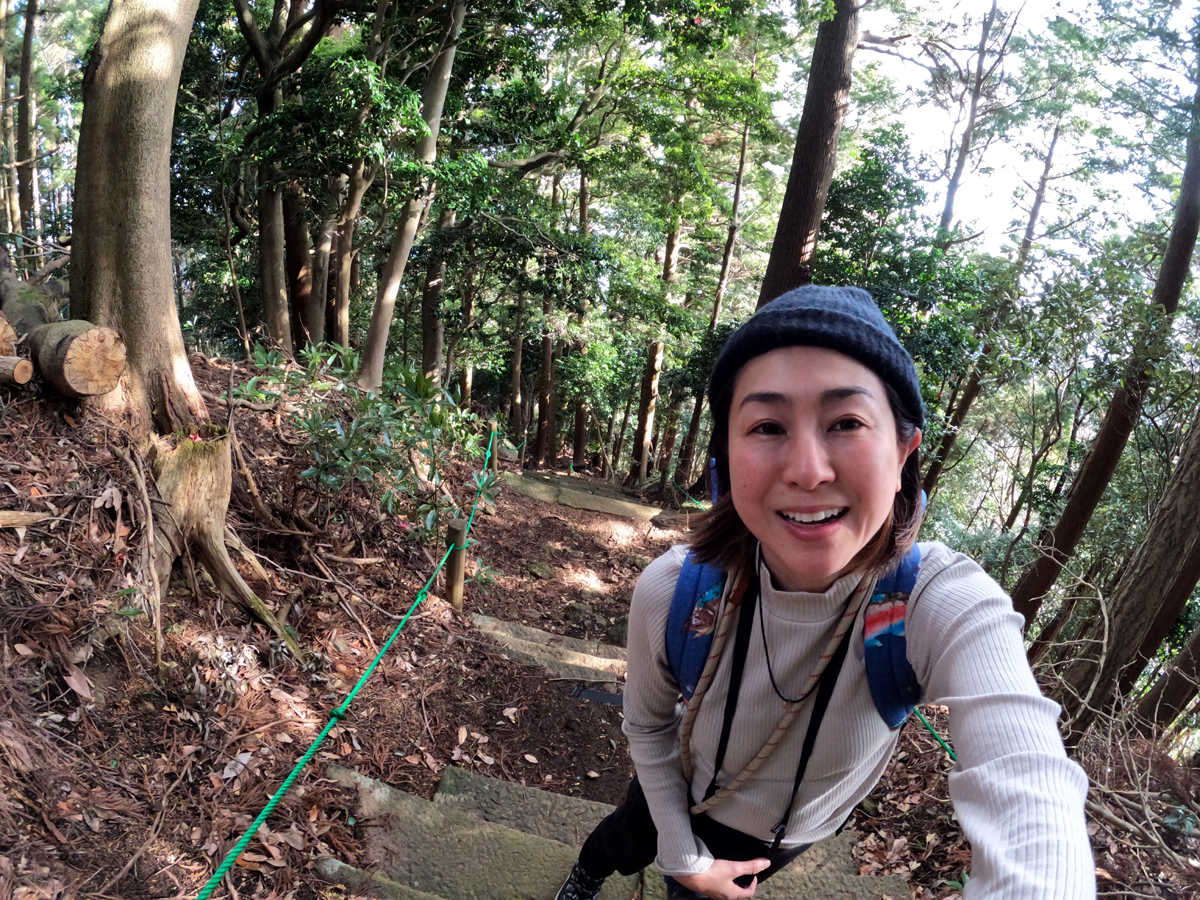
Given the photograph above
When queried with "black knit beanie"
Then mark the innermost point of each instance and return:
(844, 319)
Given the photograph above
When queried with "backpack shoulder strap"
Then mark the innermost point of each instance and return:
(692, 622)
(894, 685)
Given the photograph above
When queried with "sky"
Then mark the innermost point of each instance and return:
(990, 200)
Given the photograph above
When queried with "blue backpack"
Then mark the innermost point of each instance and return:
(894, 686)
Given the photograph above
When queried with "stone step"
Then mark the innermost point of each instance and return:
(366, 884)
(563, 657)
(604, 653)
(826, 870)
(552, 491)
(557, 817)
(451, 855)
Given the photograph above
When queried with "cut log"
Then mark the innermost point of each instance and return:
(8, 337)
(14, 370)
(78, 358)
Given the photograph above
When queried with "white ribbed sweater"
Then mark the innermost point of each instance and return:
(1018, 797)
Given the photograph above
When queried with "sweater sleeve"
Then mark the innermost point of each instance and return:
(1020, 800)
(652, 718)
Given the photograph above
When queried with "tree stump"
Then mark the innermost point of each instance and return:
(78, 358)
(195, 477)
(14, 370)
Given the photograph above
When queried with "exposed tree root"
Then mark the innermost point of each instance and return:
(195, 478)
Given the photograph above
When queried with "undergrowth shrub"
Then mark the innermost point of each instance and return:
(398, 441)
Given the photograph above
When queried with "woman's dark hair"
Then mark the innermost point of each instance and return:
(723, 540)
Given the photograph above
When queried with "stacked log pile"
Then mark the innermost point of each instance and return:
(75, 357)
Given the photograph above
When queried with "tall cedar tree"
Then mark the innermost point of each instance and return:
(825, 103)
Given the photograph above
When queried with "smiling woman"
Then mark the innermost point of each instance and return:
(815, 463)
(810, 556)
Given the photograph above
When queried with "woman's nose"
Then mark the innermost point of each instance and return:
(809, 462)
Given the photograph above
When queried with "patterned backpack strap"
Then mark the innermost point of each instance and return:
(894, 685)
(692, 622)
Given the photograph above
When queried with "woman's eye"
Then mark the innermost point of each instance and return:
(771, 428)
(846, 425)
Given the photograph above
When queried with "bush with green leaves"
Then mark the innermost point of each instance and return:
(397, 442)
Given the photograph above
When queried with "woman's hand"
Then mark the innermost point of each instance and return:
(717, 882)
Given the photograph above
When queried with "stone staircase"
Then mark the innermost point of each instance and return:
(484, 839)
(561, 657)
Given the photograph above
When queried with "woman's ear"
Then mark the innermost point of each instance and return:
(907, 449)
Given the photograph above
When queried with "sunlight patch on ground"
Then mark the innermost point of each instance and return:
(586, 579)
(617, 534)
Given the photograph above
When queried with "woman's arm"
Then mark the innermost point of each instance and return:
(1018, 797)
(652, 719)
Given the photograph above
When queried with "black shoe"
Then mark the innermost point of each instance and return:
(579, 885)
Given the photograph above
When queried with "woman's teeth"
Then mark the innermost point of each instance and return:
(810, 518)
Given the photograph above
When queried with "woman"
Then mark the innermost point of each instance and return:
(817, 415)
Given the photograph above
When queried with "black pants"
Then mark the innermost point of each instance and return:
(627, 841)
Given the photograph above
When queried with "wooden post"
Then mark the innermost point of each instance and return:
(456, 565)
(496, 438)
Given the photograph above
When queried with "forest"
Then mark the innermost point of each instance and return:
(289, 287)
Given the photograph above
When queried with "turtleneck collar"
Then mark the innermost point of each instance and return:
(804, 606)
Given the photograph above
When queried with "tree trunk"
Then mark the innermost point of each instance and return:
(433, 98)
(272, 271)
(731, 236)
(545, 377)
(432, 328)
(555, 391)
(640, 461)
(964, 144)
(933, 472)
(306, 305)
(356, 189)
(1035, 210)
(1177, 594)
(619, 443)
(579, 457)
(10, 143)
(825, 102)
(671, 250)
(670, 438)
(467, 289)
(8, 198)
(121, 277)
(516, 419)
(1175, 689)
(585, 199)
(1164, 564)
(25, 124)
(320, 289)
(670, 435)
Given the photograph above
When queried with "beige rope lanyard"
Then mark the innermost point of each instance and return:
(731, 603)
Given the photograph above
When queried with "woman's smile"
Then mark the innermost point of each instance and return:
(814, 461)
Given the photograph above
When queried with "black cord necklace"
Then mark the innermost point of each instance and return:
(762, 615)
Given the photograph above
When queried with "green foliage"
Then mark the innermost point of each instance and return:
(398, 441)
(875, 235)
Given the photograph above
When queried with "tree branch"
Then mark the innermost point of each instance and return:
(254, 37)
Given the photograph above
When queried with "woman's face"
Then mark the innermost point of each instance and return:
(814, 461)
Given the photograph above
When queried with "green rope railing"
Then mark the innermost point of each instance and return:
(338, 712)
(689, 497)
(933, 731)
